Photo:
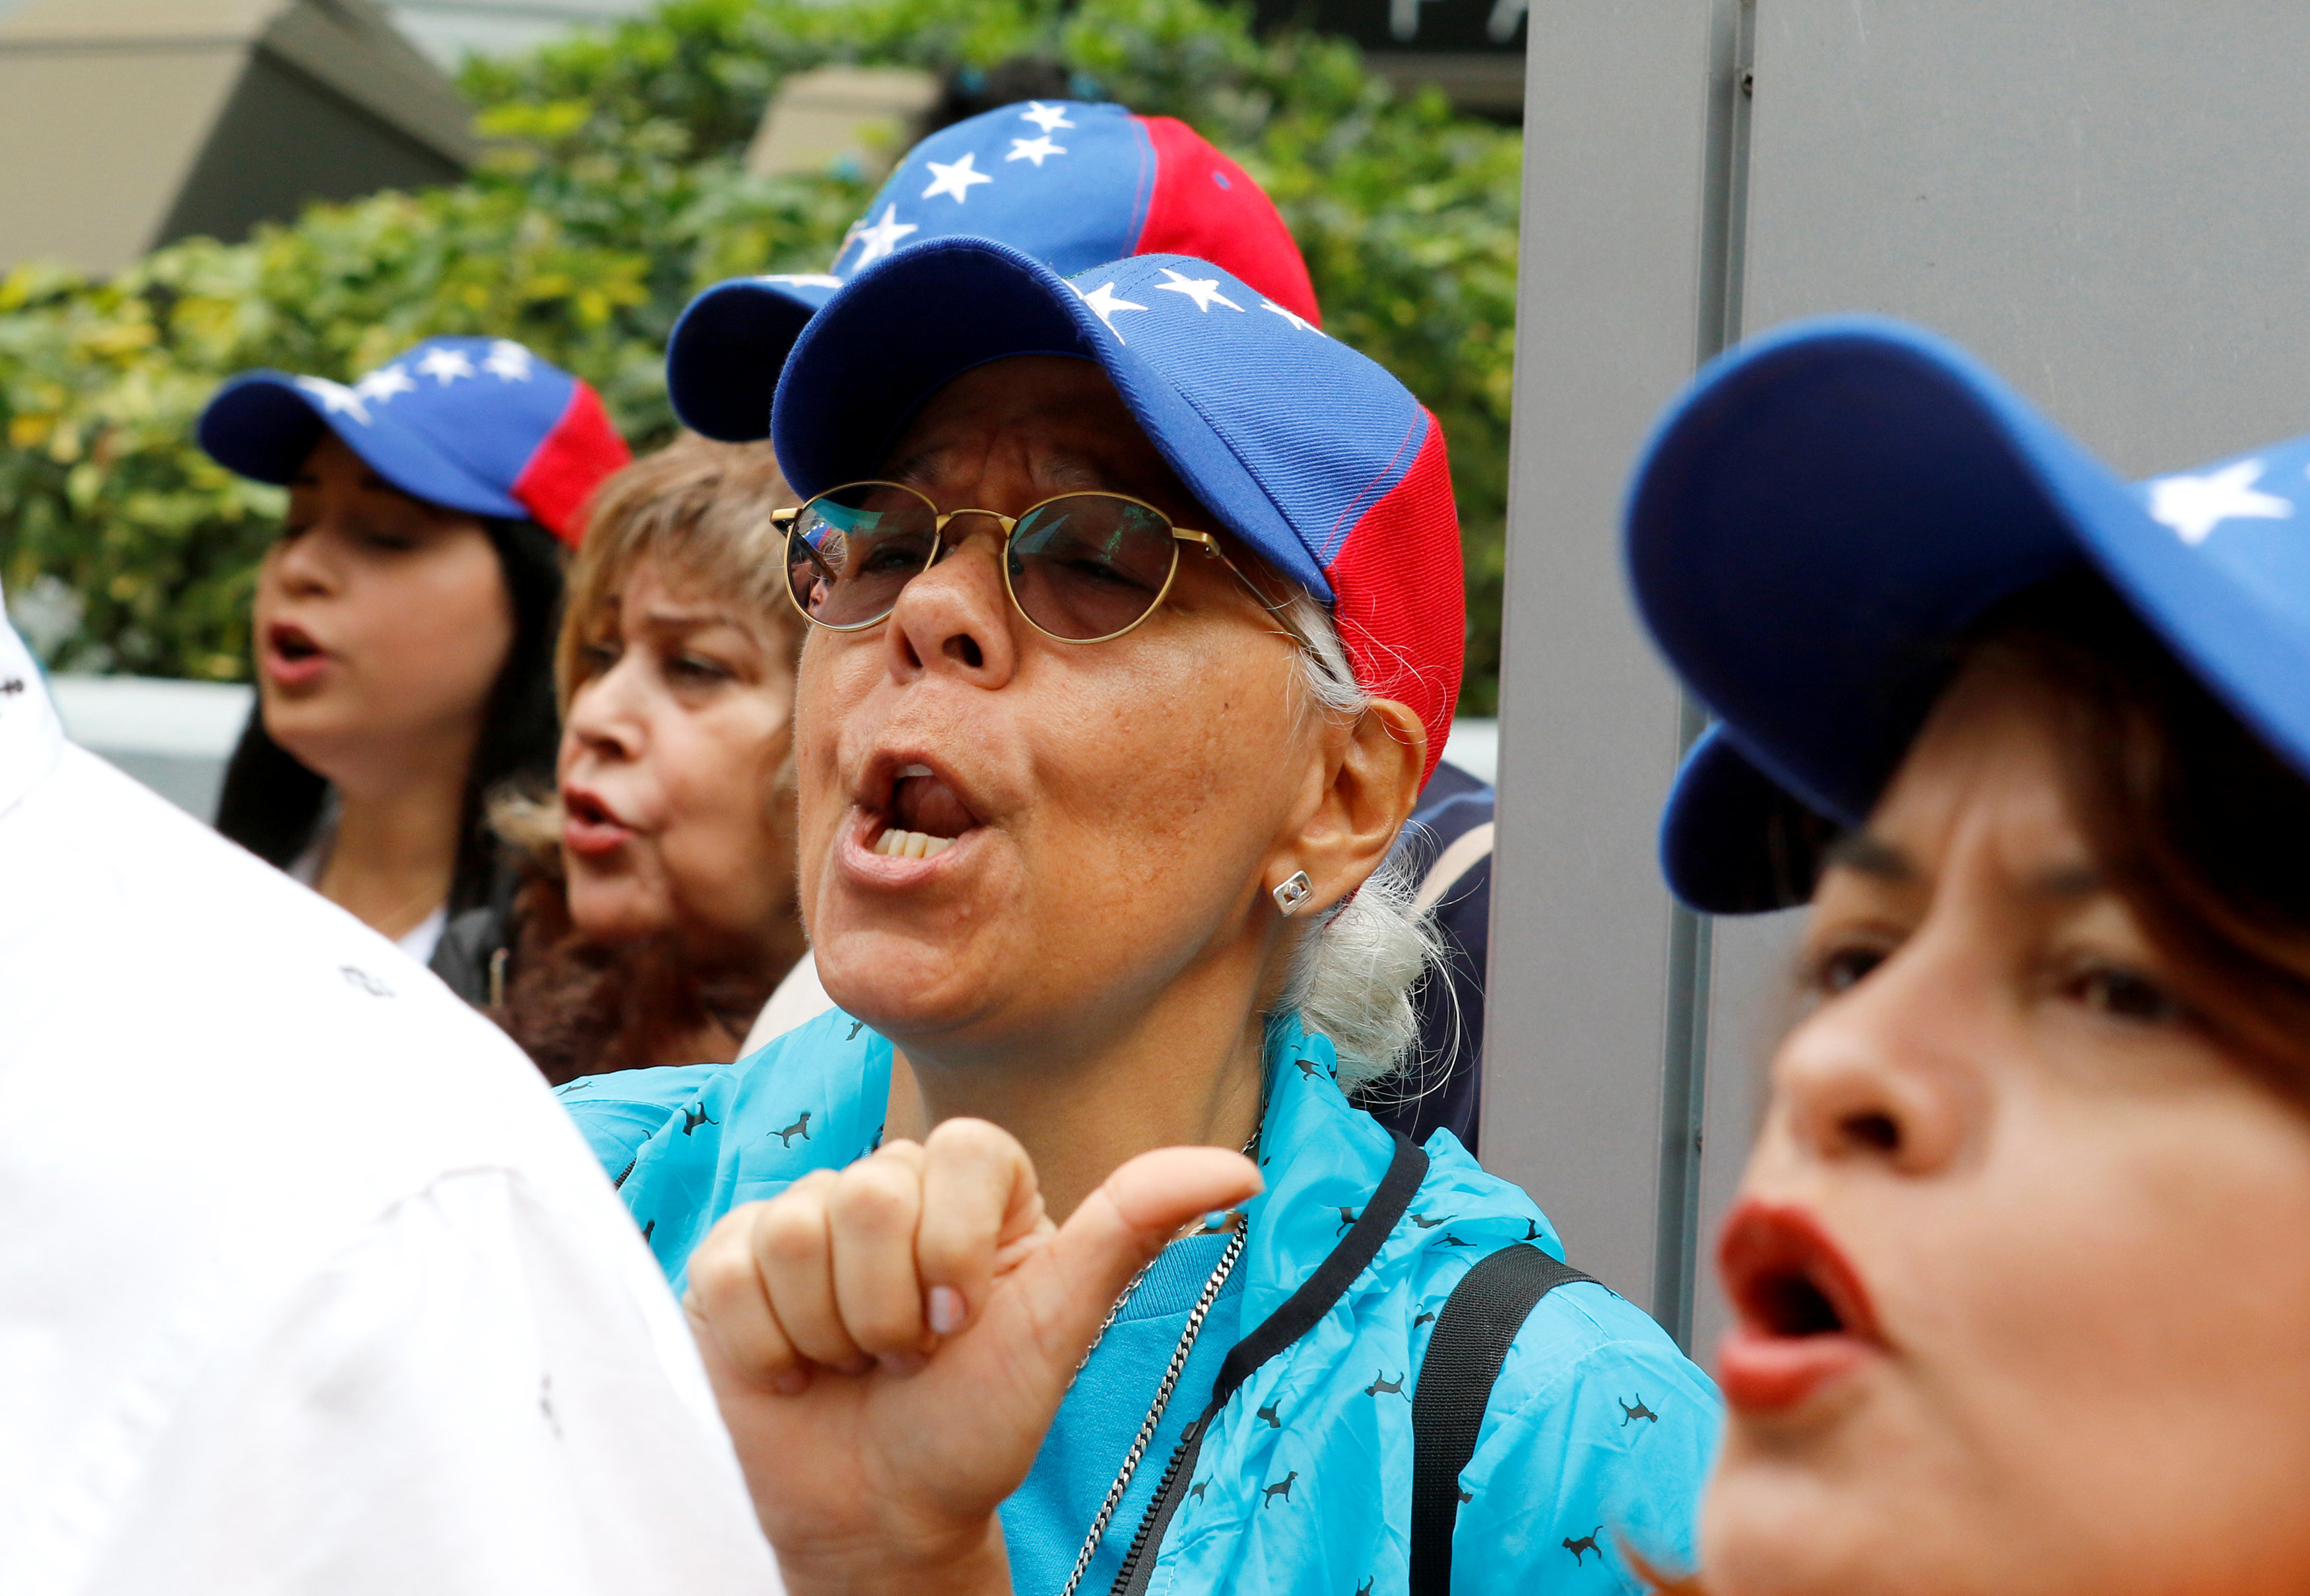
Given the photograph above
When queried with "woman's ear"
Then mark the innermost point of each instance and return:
(1375, 768)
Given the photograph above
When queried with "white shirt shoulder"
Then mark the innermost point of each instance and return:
(308, 1283)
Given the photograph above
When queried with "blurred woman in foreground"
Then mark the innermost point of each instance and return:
(1125, 673)
(2022, 1258)
(657, 909)
(405, 621)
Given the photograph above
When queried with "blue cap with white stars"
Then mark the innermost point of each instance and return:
(1305, 450)
(1070, 183)
(1830, 506)
(481, 425)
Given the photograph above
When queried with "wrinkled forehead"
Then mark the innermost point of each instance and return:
(1998, 765)
(1057, 418)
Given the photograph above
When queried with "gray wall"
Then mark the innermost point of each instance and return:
(284, 140)
(2107, 204)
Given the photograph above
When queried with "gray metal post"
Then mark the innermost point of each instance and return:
(1598, 996)
(2108, 205)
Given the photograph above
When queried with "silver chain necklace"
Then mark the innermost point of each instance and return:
(1177, 1367)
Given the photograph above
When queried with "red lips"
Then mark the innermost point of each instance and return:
(590, 827)
(1806, 1321)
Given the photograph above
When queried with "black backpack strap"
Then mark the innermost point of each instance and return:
(1470, 1342)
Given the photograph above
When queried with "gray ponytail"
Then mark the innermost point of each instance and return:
(1352, 974)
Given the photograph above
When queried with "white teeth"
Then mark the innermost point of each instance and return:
(914, 770)
(911, 845)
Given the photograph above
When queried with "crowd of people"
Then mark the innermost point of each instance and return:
(950, 1058)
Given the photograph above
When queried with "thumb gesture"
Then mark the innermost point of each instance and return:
(890, 1343)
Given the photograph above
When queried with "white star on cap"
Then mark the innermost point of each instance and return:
(955, 178)
(382, 384)
(508, 361)
(2194, 506)
(1203, 290)
(1045, 116)
(1300, 322)
(446, 366)
(1034, 149)
(802, 279)
(883, 237)
(1103, 303)
(339, 399)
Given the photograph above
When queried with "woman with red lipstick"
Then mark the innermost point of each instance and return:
(658, 907)
(2019, 1258)
(404, 620)
(1123, 673)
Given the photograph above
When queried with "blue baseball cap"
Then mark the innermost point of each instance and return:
(481, 425)
(1310, 453)
(1828, 509)
(1072, 183)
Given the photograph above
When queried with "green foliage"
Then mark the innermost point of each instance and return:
(614, 192)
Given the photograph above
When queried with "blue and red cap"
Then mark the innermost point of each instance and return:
(1070, 183)
(1308, 452)
(1821, 518)
(481, 425)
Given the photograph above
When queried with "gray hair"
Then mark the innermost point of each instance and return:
(1354, 969)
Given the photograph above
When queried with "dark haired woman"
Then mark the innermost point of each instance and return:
(405, 622)
(2019, 1260)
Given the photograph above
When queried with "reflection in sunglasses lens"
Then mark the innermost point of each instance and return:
(851, 551)
(1089, 565)
(1082, 568)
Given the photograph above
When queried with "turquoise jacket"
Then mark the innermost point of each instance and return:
(1599, 1433)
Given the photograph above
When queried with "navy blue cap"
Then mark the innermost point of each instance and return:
(1828, 510)
(481, 425)
(1072, 183)
(1309, 452)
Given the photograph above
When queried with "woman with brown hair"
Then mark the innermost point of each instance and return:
(656, 911)
(2019, 1260)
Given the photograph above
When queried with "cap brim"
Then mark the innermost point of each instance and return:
(729, 347)
(1731, 840)
(908, 325)
(1817, 523)
(262, 425)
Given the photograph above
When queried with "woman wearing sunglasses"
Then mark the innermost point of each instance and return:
(1136, 627)
(2019, 1258)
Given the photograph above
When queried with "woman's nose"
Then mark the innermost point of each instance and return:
(605, 715)
(956, 616)
(1878, 1074)
(303, 565)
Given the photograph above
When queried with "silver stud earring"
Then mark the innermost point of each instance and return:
(1294, 892)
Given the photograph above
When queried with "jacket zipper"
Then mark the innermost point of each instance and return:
(1283, 1328)
(1129, 1579)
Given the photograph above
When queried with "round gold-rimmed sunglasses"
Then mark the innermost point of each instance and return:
(1081, 568)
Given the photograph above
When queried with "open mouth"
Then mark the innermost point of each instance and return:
(292, 643)
(590, 827)
(586, 808)
(923, 817)
(1805, 1319)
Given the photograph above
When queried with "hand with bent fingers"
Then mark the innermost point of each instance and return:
(890, 1343)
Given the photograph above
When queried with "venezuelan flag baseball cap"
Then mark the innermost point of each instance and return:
(1827, 512)
(1070, 183)
(1307, 451)
(481, 425)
